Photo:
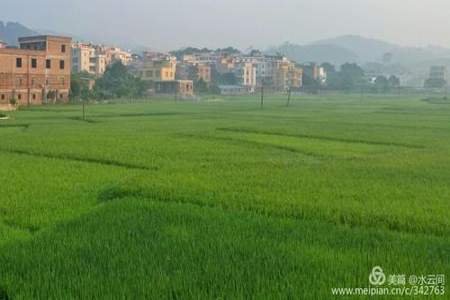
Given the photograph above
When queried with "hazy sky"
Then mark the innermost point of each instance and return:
(168, 24)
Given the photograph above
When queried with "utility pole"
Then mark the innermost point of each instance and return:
(176, 93)
(84, 110)
(262, 96)
(289, 97)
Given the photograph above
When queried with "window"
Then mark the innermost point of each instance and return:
(63, 48)
(19, 96)
(61, 64)
(34, 63)
(34, 96)
(19, 62)
(48, 64)
(3, 97)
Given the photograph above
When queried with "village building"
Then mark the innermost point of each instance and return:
(178, 88)
(265, 68)
(315, 72)
(38, 72)
(287, 76)
(157, 69)
(94, 59)
(246, 72)
(204, 73)
(226, 64)
(160, 75)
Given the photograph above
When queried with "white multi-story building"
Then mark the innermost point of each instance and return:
(246, 72)
(117, 54)
(266, 67)
(94, 59)
(202, 58)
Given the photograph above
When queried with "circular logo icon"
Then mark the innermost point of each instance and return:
(377, 276)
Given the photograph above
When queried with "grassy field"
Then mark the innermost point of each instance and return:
(220, 199)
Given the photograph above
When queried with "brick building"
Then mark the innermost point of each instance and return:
(204, 73)
(38, 72)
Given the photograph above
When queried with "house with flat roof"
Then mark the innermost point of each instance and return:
(37, 72)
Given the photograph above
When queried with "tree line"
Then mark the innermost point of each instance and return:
(350, 77)
(116, 82)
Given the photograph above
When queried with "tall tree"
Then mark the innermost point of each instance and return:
(329, 68)
(352, 76)
(118, 82)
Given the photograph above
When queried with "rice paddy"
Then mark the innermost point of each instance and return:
(222, 199)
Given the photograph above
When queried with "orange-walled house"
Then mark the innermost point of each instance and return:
(38, 72)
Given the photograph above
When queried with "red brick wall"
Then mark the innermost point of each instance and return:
(32, 84)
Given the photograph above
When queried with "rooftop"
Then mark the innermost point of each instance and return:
(18, 51)
(43, 37)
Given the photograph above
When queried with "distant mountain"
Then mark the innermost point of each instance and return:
(352, 48)
(316, 53)
(412, 64)
(126, 44)
(347, 48)
(367, 50)
(11, 31)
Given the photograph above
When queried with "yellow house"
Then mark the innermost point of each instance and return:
(158, 70)
(287, 75)
(204, 72)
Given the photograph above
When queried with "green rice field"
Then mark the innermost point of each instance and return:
(220, 199)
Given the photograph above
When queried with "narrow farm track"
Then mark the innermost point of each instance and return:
(22, 126)
(90, 160)
(118, 193)
(324, 138)
(246, 143)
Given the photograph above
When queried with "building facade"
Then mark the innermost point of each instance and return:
(156, 70)
(265, 68)
(178, 88)
(246, 73)
(287, 76)
(204, 73)
(160, 73)
(117, 54)
(38, 72)
(437, 77)
(315, 72)
(94, 59)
